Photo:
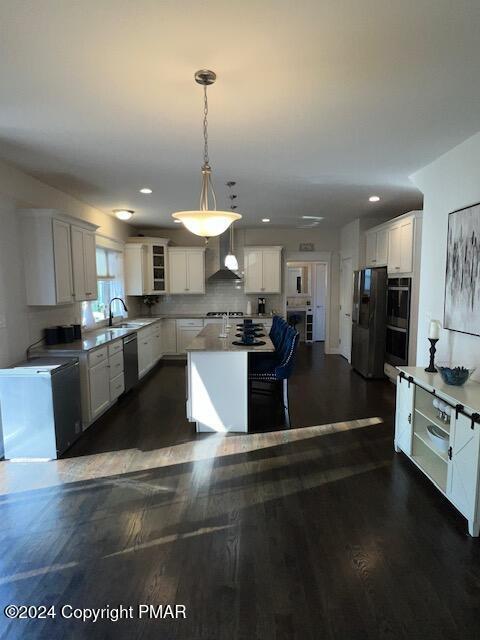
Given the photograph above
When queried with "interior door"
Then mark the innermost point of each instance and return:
(195, 272)
(319, 302)
(346, 303)
(63, 261)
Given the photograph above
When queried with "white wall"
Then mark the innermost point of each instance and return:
(451, 182)
(21, 325)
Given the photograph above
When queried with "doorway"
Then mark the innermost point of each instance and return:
(346, 302)
(319, 301)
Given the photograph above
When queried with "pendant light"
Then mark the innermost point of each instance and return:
(206, 222)
(231, 261)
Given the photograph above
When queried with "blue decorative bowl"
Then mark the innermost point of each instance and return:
(455, 376)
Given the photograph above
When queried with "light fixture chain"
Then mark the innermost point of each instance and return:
(205, 126)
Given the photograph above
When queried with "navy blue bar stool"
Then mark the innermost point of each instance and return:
(279, 369)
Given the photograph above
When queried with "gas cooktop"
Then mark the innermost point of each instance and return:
(219, 314)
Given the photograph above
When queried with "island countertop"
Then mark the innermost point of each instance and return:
(208, 340)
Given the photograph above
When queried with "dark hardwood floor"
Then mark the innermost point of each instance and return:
(317, 532)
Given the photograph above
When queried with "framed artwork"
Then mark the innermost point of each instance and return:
(462, 282)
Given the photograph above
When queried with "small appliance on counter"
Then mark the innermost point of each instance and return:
(62, 334)
(261, 306)
(40, 407)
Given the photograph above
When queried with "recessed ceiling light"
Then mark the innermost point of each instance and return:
(312, 217)
(374, 198)
(178, 221)
(123, 214)
(265, 219)
(145, 190)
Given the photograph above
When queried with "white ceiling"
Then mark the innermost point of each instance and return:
(317, 104)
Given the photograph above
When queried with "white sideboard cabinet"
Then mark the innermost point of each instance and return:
(455, 470)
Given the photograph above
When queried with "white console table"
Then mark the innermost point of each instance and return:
(455, 473)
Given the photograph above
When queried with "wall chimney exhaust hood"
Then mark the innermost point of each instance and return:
(223, 273)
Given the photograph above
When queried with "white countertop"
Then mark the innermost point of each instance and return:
(468, 394)
(208, 340)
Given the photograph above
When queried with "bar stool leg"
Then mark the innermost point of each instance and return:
(285, 403)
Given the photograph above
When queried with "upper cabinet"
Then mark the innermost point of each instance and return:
(59, 258)
(146, 266)
(263, 269)
(400, 247)
(392, 245)
(186, 267)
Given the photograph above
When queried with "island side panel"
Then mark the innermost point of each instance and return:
(218, 390)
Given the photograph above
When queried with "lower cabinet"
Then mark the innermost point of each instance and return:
(451, 462)
(187, 330)
(145, 357)
(169, 336)
(99, 383)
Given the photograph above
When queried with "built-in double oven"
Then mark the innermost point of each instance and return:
(398, 320)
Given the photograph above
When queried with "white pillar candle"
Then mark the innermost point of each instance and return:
(434, 330)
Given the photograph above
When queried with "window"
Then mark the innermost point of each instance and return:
(109, 285)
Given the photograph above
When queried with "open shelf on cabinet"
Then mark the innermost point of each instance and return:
(432, 465)
(424, 407)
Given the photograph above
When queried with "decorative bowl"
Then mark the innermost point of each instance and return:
(455, 375)
(438, 438)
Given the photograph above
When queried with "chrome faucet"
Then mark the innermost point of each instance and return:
(110, 317)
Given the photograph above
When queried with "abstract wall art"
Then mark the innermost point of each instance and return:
(462, 284)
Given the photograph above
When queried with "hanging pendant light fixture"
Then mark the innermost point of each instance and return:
(206, 222)
(231, 261)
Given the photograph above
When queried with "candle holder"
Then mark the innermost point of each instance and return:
(431, 367)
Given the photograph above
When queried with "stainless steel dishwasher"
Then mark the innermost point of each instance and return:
(130, 361)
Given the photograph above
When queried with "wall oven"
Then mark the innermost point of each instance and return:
(398, 320)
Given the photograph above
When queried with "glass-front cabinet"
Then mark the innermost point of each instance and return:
(146, 270)
(157, 257)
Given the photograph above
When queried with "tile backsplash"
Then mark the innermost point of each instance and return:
(219, 296)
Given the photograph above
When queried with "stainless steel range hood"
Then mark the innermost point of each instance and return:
(223, 273)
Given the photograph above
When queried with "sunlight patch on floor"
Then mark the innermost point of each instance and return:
(27, 476)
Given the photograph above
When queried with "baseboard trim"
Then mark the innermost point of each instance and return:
(332, 351)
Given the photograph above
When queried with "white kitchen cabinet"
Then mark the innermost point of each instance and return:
(169, 336)
(99, 384)
(403, 416)
(462, 477)
(400, 247)
(454, 469)
(371, 249)
(382, 247)
(406, 246)
(84, 265)
(62, 255)
(157, 345)
(186, 267)
(376, 248)
(187, 330)
(145, 351)
(262, 267)
(146, 270)
(59, 257)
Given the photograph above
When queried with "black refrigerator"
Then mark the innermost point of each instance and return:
(369, 321)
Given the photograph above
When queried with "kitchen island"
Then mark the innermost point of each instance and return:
(217, 379)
